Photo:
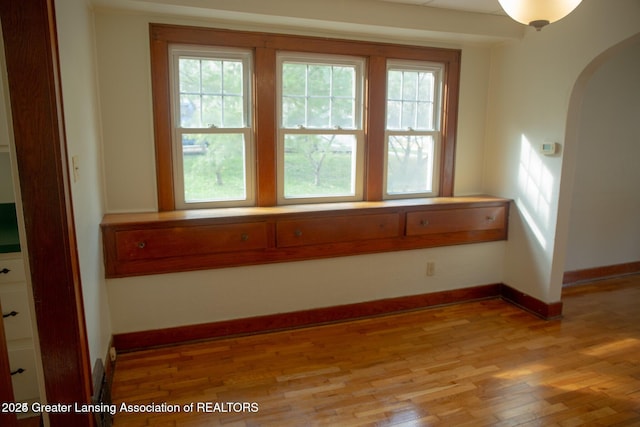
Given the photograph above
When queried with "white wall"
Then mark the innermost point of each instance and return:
(207, 296)
(82, 123)
(514, 96)
(605, 206)
(531, 86)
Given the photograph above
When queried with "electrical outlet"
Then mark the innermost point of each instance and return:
(431, 268)
(112, 354)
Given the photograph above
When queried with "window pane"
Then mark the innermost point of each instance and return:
(342, 113)
(211, 93)
(394, 85)
(409, 86)
(190, 111)
(319, 80)
(343, 82)
(410, 100)
(189, 76)
(425, 115)
(211, 77)
(293, 112)
(211, 111)
(319, 165)
(213, 167)
(232, 77)
(425, 87)
(321, 96)
(409, 119)
(394, 113)
(233, 112)
(294, 79)
(318, 113)
(410, 164)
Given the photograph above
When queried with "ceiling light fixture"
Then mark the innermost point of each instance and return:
(538, 13)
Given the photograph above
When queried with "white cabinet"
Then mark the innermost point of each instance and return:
(16, 316)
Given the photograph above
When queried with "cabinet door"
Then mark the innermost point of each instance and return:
(8, 419)
(12, 271)
(336, 229)
(455, 220)
(183, 241)
(17, 322)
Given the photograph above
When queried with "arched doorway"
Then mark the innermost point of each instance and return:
(599, 202)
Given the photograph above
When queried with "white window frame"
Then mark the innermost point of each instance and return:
(358, 131)
(438, 70)
(199, 52)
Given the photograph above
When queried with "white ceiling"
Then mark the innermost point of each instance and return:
(481, 6)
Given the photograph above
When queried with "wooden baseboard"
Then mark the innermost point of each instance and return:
(133, 341)
(603, 272)
(275, 322)
(541, 309)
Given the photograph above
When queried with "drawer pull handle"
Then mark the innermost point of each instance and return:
(244, 237)
(424, 222)
(5, 271)
(141, 245)
(12, 314)
(298, 233)
(18, 371)
(491, 218)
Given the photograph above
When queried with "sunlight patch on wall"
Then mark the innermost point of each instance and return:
(535, 185)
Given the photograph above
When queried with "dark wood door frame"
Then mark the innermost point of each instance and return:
(31, 53)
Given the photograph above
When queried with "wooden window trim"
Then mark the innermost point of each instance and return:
(265, 46)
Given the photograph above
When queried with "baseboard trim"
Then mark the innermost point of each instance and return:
(134, 341)
(274, 322)
(533, 305)
(598, 273)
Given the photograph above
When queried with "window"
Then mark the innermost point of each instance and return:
(212, 142)
(412, 134)
(256, 119)
(320, 132)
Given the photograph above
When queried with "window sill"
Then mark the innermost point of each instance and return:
(162, 242)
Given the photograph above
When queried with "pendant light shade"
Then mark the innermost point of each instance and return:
(538, 13)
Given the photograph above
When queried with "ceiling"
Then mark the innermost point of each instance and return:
(481, 6)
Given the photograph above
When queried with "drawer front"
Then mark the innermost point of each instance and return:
(182, 241)
(15, 314)
(25, 383)
(12, 271)
(336, 229)
(454, 220)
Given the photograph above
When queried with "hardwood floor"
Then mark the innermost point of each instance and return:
(484, 363)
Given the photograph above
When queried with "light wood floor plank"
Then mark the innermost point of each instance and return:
(484, 363)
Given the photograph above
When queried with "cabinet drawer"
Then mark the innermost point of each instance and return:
(15, 306)
(12, 270)
(25, 383)
(182, 241)
(346, 228)
(454, 220)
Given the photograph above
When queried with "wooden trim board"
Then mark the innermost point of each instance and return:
(33, 77)
(133, 341)
(603, 272)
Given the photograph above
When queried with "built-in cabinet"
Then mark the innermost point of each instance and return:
(163, 242)
(16, 317)
(15, 296)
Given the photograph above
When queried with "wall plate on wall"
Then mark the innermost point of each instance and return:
(548, 148)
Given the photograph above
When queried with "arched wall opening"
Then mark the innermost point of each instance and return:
(598, 201)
